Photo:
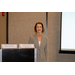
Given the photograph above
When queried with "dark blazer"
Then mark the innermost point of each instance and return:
(42, 50)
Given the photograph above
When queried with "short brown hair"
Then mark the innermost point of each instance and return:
(42, 27)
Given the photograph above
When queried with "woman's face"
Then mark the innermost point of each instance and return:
(39, 28)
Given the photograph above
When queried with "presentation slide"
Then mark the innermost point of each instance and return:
(68, 31)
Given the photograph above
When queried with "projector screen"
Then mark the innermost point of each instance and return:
(68, 31)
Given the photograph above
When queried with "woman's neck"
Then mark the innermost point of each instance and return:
(39, 34)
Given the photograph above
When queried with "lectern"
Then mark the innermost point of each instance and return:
(19, 55)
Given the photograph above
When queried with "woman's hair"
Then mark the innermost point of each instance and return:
(42, 27)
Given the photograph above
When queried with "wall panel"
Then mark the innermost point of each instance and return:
(3, 29)
(54, 39)
(21, 25)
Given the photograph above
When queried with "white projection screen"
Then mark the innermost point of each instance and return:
(68, 31)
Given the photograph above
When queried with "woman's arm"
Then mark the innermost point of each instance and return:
(30, 40)
(46, 49)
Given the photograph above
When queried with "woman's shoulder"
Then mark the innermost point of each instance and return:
(45, 36)
(32, 36)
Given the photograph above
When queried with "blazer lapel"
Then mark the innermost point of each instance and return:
(38, 42)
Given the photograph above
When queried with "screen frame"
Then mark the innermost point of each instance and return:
(63, 51)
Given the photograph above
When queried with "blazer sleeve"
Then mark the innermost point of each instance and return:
(46, 49)
(30, 40)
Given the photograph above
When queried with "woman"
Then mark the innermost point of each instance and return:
(40, 42)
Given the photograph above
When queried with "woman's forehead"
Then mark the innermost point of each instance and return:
(39, 25)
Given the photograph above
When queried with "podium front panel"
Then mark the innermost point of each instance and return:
(18, 55)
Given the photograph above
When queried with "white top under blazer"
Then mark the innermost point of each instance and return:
(39, 42)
